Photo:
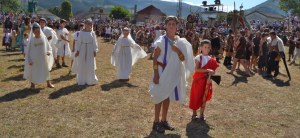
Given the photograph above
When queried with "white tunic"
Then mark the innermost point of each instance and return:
(75, 64)
(108, 30)
(50, 32)
(125, 54)
(62, 45)
(38, 72)
(278, 42)
(173, 79)
(25, 44)
(86, 45)
(204, 61)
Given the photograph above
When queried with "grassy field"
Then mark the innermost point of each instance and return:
(240, 107)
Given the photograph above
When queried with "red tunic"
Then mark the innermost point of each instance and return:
(199, 84)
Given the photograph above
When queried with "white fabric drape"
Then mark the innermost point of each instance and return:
(175, 73)
(50, 32)
(125, 54)
(63, 47)
(86, 63)
(38, 48)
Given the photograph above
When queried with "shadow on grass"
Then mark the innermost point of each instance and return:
(228, 67)
(14, 78)
(116, 84)
(63, 78)
(197, 129)
(11, 54)
(296, 64)
(154, 134)
(238, 79)
(16, 60)
(19, 94)
(15, 66)
(278, 82)
(66, 91)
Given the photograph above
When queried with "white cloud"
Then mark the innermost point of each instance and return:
(187, 2)
(228, 8)
(193, 3)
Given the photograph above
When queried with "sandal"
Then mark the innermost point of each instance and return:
(194, 118)
(167, 126)
(202, 118)
(158, 127)
(50, 85)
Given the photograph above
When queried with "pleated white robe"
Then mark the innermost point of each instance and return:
(38, 72)
(86, 45)
(175, 74)
(125, 54)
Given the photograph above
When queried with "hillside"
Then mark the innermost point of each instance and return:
(83, 5)
(269, 7)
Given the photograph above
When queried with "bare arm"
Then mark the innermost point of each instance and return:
(49, 38)
(64, 38)
(155, 65)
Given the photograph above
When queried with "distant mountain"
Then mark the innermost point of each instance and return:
(268, 7)
(169, 8)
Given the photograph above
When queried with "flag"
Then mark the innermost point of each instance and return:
(248, 25)
(244, 22)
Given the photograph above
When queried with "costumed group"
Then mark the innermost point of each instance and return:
(173, 63)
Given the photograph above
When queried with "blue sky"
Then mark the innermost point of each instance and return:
(228, 4)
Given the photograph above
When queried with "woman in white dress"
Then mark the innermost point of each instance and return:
(39, 59)
(86, 49)
(125, 54)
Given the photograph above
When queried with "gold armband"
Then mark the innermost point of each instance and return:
(155, 67)
(181, 57)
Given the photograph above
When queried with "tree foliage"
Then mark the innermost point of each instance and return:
(229, 17)
(222, 17)
(10, 5)
(119, 12)
(290, 5)
(65, 11)
(55, 10)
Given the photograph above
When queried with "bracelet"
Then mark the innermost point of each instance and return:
(155, 67)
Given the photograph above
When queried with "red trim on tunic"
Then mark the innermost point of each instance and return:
(199, 84)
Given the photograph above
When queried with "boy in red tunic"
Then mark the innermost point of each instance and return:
(201, 90)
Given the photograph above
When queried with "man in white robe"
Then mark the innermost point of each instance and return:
(39, 59)
(86, 49)
(51, 37)
(125, 54)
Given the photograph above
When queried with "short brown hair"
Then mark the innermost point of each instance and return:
(171, 18)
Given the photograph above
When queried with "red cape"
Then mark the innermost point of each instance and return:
(199, 84)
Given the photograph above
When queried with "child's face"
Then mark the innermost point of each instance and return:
(205, 49)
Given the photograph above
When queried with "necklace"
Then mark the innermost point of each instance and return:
(172, 42)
